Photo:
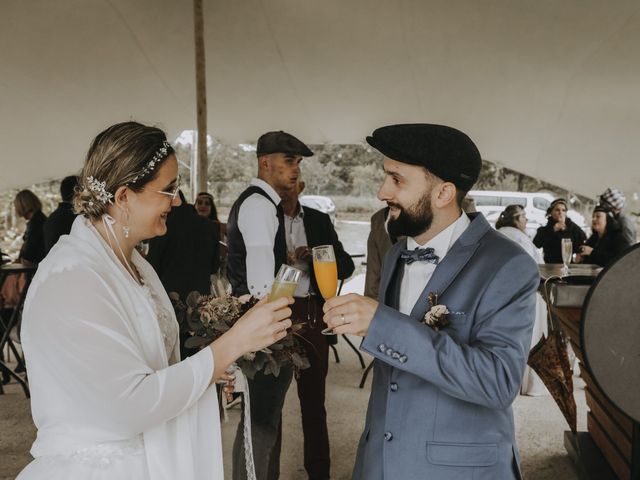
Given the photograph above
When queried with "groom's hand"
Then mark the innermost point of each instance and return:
(350, 314)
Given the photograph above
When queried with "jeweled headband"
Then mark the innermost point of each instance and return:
(153, 163)
(99, 188)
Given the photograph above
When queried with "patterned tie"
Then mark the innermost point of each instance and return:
(419, 255)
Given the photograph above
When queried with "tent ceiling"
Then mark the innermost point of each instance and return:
(546, 88)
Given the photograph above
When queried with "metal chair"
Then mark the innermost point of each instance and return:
(13, 322)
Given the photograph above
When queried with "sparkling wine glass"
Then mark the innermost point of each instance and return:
(567, 251)
(285, 283)
(326, 273)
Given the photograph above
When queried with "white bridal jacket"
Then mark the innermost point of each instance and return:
(531, 383)
(110, 398)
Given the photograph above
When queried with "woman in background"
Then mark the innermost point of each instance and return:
(559, 225)
(512, 223)
(33, 250)
(607, 240)
(29, 207)
(206, 207)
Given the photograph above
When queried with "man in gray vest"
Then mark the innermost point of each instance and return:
(257, 248)
(451, 329)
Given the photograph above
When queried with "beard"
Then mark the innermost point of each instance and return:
(411, 221)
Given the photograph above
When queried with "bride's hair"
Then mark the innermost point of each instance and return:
(126, 153)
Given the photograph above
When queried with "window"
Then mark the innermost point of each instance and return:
(486, 200)
(504, 201)
(541, 203)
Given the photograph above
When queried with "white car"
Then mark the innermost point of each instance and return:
(319, 202)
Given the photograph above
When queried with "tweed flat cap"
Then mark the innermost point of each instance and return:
(613, 197)
(444, 151)
(281, 142)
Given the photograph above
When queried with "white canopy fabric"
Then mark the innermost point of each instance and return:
(546, 88)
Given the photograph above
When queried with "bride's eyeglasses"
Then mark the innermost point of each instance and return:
(173, 193)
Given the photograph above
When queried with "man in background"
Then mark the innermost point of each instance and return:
(306, 228)
(60, 221)
(378, 244)
(257, 249)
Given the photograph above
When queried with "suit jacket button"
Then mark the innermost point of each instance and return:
(389, 351)
(402, 359)
(382, 347)
(388, 436)
(395, 355)
(394, 387)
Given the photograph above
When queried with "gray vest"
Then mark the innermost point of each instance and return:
(237, 256)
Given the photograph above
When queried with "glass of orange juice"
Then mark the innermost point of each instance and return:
(326, 273)
(285, 283)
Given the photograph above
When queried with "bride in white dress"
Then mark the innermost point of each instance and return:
(110, 397)
(512, 223)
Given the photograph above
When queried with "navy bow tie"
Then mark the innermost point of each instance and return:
(419, 255)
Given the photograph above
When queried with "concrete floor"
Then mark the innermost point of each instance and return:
(539, 426)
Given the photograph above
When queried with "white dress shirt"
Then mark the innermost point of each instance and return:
(297, 237)
(417, 274)
(258, 223)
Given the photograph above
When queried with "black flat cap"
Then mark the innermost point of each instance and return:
(281, 142)
(444, 151)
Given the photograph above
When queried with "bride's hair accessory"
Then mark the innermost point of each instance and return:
(100, 190)
(160, 155)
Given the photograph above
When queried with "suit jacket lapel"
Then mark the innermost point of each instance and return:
(392, 276)
(444, 274)
(453, 262)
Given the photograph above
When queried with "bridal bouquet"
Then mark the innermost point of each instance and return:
(207, 317)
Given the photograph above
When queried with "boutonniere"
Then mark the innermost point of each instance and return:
(436, 317)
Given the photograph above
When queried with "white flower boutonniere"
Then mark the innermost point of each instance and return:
(436, 317)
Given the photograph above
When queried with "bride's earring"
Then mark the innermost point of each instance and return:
(125, 226)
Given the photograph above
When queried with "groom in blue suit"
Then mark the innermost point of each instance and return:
(443, 385)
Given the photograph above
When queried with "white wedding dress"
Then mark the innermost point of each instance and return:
(531, 383)
(110, 398)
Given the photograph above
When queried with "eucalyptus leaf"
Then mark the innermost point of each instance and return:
(275, 368)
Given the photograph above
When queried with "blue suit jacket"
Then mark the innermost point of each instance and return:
(440, 405)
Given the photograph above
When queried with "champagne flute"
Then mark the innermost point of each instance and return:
(326, 273)
(567, 251)
(285, 283)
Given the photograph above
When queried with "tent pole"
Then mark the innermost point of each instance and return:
(199, 168)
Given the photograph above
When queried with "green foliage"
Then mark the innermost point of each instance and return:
(350, 174)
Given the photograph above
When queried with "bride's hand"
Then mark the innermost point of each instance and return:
(263, 325)
(228, 383)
